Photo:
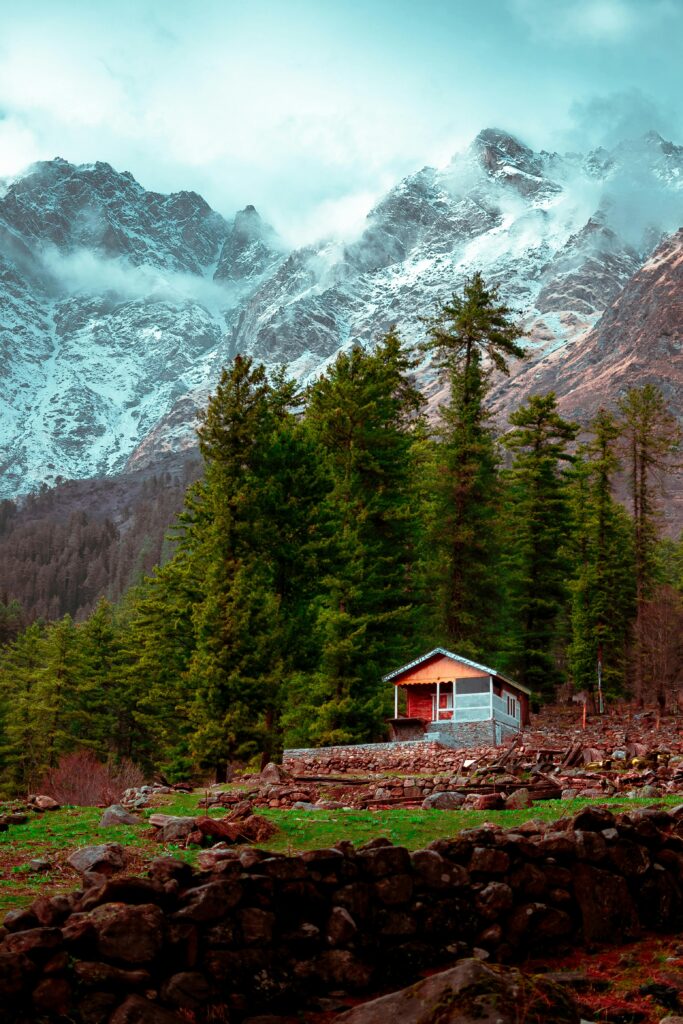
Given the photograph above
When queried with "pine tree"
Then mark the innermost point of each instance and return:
(473, 334)
(364, 413)
(23, 748)
(603, 592)
(251, 537)
(650, 438)
(537, 523)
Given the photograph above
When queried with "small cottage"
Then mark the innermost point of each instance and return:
(455, 701)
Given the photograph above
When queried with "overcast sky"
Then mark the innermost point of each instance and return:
(309, 109)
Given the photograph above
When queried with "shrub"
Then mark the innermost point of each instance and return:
(81, 779)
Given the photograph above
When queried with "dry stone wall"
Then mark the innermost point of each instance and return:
(259, 933)
(407, 756)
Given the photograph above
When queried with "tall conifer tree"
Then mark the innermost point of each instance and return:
(364, 413)
(603, 591)
(537, 523)
(473, 334)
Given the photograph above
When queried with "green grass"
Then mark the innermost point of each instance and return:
(54, 835)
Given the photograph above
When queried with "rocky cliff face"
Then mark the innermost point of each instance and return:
(119, 306)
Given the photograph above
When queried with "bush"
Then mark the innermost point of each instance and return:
(81, 779)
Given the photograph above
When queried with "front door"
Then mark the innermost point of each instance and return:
(446, 702)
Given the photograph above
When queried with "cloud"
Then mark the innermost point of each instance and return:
(610, 119)
(593, 21)
(18, 146)
(84, 272)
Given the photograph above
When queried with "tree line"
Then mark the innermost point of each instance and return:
(337, 533)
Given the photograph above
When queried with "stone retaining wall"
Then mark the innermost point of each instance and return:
(260, 933)
(406, 756)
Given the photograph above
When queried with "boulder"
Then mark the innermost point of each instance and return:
(16, 974)
(44, 803)
(274, 773)
(172, 829)
(443, 801)
(104, 859)
(467, 993)
(607, 910)
(187, 989)
(133, 935)
(136, 1010)
(117, 815)
(209, 902)
(520, 800)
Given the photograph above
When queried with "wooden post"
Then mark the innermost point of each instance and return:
(395, 701)
(438, 701)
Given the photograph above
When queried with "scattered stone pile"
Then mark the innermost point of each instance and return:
(241, 826)
(634, 754)
(276, 787)
(142, 796)
(255, 932)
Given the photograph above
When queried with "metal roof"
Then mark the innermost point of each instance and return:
(454, 657)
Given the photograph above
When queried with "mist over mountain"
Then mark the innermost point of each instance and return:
(119, 306)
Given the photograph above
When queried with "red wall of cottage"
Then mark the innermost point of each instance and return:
(419, 702)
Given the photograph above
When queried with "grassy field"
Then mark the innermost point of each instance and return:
(54, 835)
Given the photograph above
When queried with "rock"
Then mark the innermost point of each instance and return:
(607, 910)
(188, 990)
(341, 928)
(44, 803)
(488, 802)
(172, 829)
(273, 773)
(520, 800)
(95, 1007)
(52, 996)
(467, 993)
(37, 943)
(494, 900)
(379, 861)
(136, 1010)
(16, 974)
(165, 869)
(20, 920)
(209, 902)
(39, 865)
(127, 889)
(593, 819)
(443, 801)
(133, 935)
(104, 859)
(92, 974)
(493, 862)
(117, 815)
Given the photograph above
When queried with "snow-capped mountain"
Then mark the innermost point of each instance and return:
(118, 306)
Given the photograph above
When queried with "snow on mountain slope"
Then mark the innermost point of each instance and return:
(119, 306)
(109, 313)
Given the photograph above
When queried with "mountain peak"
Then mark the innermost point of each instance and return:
(251, 247)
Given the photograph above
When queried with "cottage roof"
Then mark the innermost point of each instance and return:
(454, 657)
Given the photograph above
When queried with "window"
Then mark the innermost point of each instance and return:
(464, 687)
(511, 705)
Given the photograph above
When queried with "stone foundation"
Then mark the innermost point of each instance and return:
(407, 756)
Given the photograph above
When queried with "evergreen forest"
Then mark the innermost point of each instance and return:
(339, 531)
